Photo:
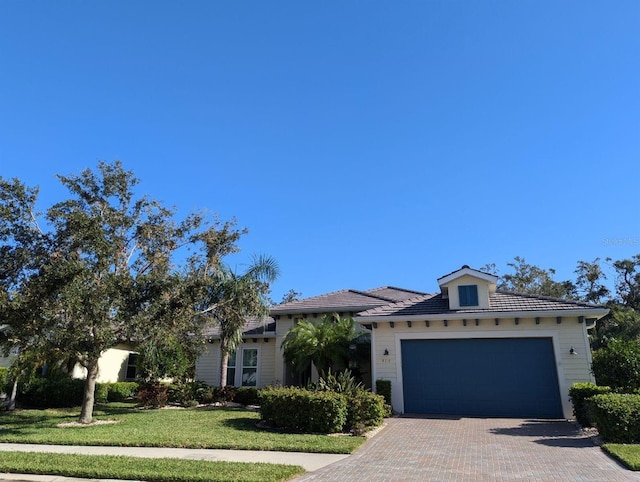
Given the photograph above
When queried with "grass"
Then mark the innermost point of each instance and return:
(218, 428)
(151, 470)
(629, 455)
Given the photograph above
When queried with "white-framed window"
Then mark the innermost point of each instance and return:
(242, 369)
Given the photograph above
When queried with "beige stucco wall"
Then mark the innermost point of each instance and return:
(112, 366)
(208, 364)
(569, 333)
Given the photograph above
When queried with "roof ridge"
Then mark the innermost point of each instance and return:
(388, 287)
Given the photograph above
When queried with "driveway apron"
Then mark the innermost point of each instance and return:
(476, 449)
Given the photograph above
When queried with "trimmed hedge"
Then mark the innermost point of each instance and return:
(301, 410)
(52, 393)
(616, 416)
(246, 396)
(364, 409)
(120, 391)
(580, 393)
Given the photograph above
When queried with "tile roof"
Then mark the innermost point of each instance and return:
(345, 300)
(252, 326)
(501, 301)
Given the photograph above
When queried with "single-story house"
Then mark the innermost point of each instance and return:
(467, 350)
(117, 364)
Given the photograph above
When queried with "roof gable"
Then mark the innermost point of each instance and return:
(467, 271)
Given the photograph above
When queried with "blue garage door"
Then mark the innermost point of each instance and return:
(494, 377)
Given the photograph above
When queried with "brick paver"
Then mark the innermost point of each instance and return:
(474, 450)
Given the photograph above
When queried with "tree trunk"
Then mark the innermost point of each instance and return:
(11, 404)
(86, 414)
(224, 363)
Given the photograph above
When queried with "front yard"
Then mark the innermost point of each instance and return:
(215, 428)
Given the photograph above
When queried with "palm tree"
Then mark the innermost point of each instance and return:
(234, 297)
(324, 343)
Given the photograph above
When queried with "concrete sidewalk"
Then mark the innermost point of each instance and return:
(308, 461)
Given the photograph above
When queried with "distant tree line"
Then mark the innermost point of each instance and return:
(590, 286)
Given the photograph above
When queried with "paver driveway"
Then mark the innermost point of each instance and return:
(476, 449)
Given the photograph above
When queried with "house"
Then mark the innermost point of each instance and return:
(473, 350)
(259, 361)
(467, 350)
(117, 364)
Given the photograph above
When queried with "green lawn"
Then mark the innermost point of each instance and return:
(627, 454)
(220, 428)
(151, 470)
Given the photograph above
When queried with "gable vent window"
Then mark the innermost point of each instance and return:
(468, 295)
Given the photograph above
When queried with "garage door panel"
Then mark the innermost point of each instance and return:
(485, 376)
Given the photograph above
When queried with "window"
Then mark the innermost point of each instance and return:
(242, 369)
(249, 367)
(131, 367)
(231, 369)
(468, 295)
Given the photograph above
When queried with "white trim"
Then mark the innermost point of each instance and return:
(237, 379)
(374, 367)
(486, 315)
(587, 347)
(398, 391)
(474, 273)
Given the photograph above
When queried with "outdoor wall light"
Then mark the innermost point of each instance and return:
(573, 351)
(386, 352)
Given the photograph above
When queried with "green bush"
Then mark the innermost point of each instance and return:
(185, 393)
(246, 396)
(101, 392)
(297, 409)
(340, 382)
(618, 365)
(51, 393)
(364, 409)
(617, 417)
(4, 374)
(580, 394)
(383, 387)
(120, 391)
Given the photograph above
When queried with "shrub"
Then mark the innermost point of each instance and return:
(383, 387)
(618, 365)
(617, 417)
(153, 395)
(364, 409)
(4, 374)
(341, 382)
(51, 393)
(120, 391)
(101, 392)
(224, 394)
(185, 393)
(246, 396)
(302, 410)
(580, 394)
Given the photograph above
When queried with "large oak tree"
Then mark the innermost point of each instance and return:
(99, 268)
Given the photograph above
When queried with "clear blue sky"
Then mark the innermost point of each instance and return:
(362, 143)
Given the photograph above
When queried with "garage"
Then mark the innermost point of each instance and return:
(490, 377)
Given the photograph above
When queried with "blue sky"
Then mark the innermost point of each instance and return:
(362, 143)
